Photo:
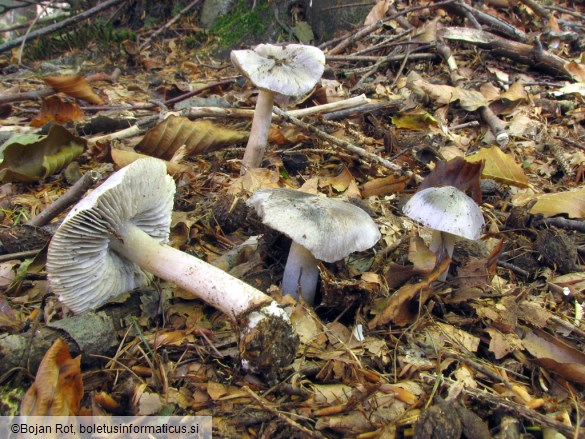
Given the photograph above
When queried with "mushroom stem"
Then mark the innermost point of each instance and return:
(216, 287)
(259, 132)
(300, 273)
(445, 240)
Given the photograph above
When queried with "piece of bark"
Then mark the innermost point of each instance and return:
(88, 334)
(523, 53)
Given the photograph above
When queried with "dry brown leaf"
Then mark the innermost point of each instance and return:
(54, 108)
(384, 186)
(377, 12)
(254, 179)
(500, 167)
(571, 203)
(577, 70)
(339, 182)
(8, 319)
(469, 100)
(458, 173)
(287, 135)
(201, 136)
(421, 257)
(58, 387)
(74, 86)
(123, 158)
(555, 355)
(399, 307)
(502, 344)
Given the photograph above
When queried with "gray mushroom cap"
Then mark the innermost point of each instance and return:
(446, 209)
(330, 229)
(291, 69)
(82, 267)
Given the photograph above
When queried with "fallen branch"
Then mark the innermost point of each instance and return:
(342, 143)
(62, 24)
(523, 53)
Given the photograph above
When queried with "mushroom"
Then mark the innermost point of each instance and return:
(449, 213)
(320, 228)
(290, 70)
(115, 237)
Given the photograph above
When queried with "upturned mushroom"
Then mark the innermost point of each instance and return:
(290, 70)
(113, 240)
(321, 229)
(449, 213)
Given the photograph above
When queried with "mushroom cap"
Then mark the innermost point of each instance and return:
(330, 229)
(291, 70)
(446, 209)
(82, 267)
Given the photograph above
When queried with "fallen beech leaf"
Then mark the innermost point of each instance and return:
(288, 135)
(339, 182)
(571, 203)
(555, 355)
(384, 185)
(577, 70)
(469, 100)
(399, 307)
(54, 108)
(377, 12)
(254, 179)
(500, 167)
(502, 344)
(58, 387)
(123, 158)
(421, 257)
(30, 157)
(458, 173)
(74, 86)
(200, 136)
(8, 319)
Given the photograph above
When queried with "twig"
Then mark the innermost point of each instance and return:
(489, 117)
(168, 24)
(521, 410)
(53, 27)
(342, 143)
(20, 255)
(72, 196)
(561, 223)
(362, 109)
(196, 112)
(367, 30)
(514, 268)
(267, 406)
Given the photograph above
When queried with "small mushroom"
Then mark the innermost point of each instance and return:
(321, 228)
(290, 70)
(115, 237)
(449, 213)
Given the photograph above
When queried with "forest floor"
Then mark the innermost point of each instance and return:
(488, 100)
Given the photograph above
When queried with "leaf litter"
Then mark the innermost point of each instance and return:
(389, 351)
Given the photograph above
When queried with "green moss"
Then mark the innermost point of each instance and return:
(241, 22)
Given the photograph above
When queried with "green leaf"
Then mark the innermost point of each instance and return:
(30, 157)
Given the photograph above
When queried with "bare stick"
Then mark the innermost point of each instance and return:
(342, 143)
(169, 23)
(67, 22)
(72, 196)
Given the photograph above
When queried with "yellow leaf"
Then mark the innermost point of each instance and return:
(571, 203)
(500, 167)
(58, 387)
(414, 120)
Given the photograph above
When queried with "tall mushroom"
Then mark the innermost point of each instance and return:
(291, 70)
(321, 228)
(449, 213)
(115, 237)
